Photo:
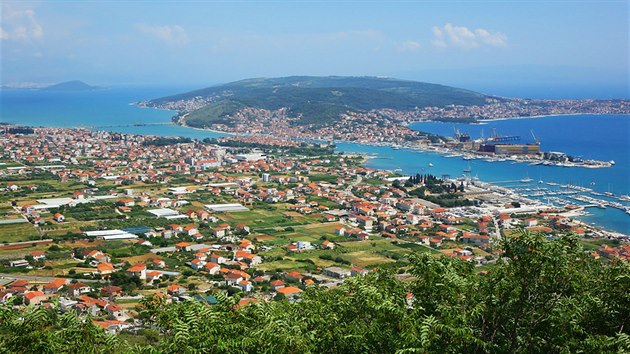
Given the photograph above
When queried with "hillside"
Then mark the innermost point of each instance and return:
(317, 100)
(74, 85)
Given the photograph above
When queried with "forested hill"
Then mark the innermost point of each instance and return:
(327, 97)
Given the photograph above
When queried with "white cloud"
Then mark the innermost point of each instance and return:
(169, 34)
(409, 46)
(438, 41)
(20, 25)
(463, 37)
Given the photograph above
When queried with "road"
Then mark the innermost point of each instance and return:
(349, 188)
(497, 229)
(38, 278)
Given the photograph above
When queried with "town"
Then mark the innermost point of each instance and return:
(386, 126)
(94, 222)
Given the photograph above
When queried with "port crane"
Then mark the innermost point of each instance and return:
(495, 138)
(536, 140)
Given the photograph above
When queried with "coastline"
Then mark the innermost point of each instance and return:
(483, 121)
(205, 129)
(438, 150)
(366, 157)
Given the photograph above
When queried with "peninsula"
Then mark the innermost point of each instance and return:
(370, 110)
(362, 109)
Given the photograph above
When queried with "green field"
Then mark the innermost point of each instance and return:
(17, 232)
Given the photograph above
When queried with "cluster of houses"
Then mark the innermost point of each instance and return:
(620, 252)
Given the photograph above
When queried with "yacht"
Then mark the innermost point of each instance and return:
(526, 179)
(468, 169)
(430, 164)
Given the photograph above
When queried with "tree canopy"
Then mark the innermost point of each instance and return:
(543, 296)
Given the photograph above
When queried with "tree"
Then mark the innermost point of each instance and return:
(127, 282)
(541, 297)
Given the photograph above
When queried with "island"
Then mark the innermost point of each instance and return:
(74, 85)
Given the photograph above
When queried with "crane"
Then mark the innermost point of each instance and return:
(536, 140)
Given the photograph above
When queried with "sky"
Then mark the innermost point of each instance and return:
(523, 48)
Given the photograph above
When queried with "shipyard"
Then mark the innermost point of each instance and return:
(503, 148)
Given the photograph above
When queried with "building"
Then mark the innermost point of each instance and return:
(517, 149)
(105, 268)
(34, 297)
(336, 272)
(139, 270)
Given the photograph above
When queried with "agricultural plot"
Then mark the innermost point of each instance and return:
(259, 218)
(18, 232)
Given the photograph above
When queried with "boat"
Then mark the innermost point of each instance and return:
(526, 179)
(540, 181)
(468, 169)
(430, 164)
(609, 193)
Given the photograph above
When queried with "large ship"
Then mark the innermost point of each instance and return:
(509, 145)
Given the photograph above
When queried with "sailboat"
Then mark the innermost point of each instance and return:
(468, 169)
(609, 193)
(526, 179)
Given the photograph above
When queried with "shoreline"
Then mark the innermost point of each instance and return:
(483, 121)
(205, 129)
(366, 157)
(437, 150)
(433, 149)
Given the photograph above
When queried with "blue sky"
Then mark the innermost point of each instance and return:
(517, 48)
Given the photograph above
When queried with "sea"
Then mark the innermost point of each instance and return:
(601, 137)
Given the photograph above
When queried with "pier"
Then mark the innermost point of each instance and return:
(127, 125)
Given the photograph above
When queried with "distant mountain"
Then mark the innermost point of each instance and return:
(74, 85)
(318, 100)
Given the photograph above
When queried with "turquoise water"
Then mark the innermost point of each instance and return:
(502, 173)
(599, 137)
(104, 107)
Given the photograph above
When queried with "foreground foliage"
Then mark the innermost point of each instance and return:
(547, 296)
